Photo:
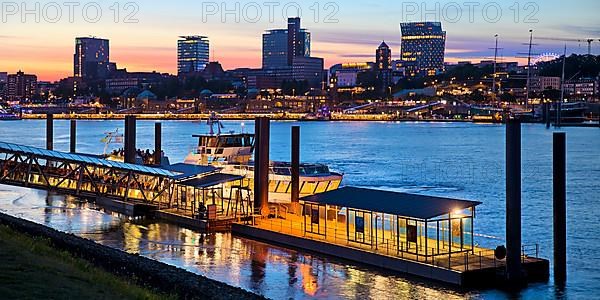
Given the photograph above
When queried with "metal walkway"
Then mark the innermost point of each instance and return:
(120, 186)
(82, 175)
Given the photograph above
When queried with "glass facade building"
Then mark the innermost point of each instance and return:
(275, 49)
(192, 54)
(423, 48)
(281, 46)
(92, 58)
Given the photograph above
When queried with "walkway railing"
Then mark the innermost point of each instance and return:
(461, 261)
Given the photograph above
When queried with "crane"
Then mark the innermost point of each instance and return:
(589, 41)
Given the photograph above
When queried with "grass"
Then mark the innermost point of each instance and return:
(31, 269)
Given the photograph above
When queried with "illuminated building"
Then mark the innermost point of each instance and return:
(282, 46)
(275, 49)
(21, 87)
(423, 47)
(286, 57)
(383, 60)
(192, 54)
(92, 58)
(298, 40)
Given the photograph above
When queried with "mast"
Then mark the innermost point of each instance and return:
(529, 69)
(562, 91)
(495, 69)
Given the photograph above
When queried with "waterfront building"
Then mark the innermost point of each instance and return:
(92, 58)
(582, 88)
(309, 69)
(542, 83)
(193, 54)
(345, 75)
(21, 87)
(282, 46)
(423, 48)
(122, 80)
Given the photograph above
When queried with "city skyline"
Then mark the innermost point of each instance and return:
(151, 44)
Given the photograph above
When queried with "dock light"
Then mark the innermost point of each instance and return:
(458, 213)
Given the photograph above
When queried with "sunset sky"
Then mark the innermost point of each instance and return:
(46, 49)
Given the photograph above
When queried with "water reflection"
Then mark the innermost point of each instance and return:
(272, 271)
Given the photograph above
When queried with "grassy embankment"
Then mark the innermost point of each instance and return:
(31, 269)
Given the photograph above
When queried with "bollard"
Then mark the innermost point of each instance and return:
(296, 169)
(513, 201)
(265, 165)
(257, 164)
(158, 144)
(560, 207)
(49, 131)
(73, 136)
(261, 166)
(130, 136)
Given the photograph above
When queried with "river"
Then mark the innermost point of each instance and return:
(459, 160)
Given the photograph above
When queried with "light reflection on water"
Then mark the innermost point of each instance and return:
(269, 270)
(454, 160)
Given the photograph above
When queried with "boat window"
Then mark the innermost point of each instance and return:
(308, 188)
(283, 187)
(322, 186)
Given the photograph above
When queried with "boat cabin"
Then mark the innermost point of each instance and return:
(224, 148)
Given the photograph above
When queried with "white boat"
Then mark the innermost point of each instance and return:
(233, 153)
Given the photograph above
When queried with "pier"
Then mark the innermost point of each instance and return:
(425, 236)
(133, 190)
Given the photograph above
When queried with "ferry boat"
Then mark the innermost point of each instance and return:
(233, 154)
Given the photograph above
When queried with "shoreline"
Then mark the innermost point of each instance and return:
(241, 117)
(145, 271)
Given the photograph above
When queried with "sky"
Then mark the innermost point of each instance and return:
(38, 36)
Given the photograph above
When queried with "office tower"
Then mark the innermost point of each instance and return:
(423, 48)
(281, 46)
(92, 58)
(383, 60)
(192, 54)
(21, 87)
(298, 40)
(275, 49)
(383, 57)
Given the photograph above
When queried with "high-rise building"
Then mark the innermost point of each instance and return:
(92, 58)
(298, 40)
(21, 87)
(423, 48)
(193, 54)
(281, 46)
(383, 60)
(383, 57)
(3, 82)
(275, 49)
